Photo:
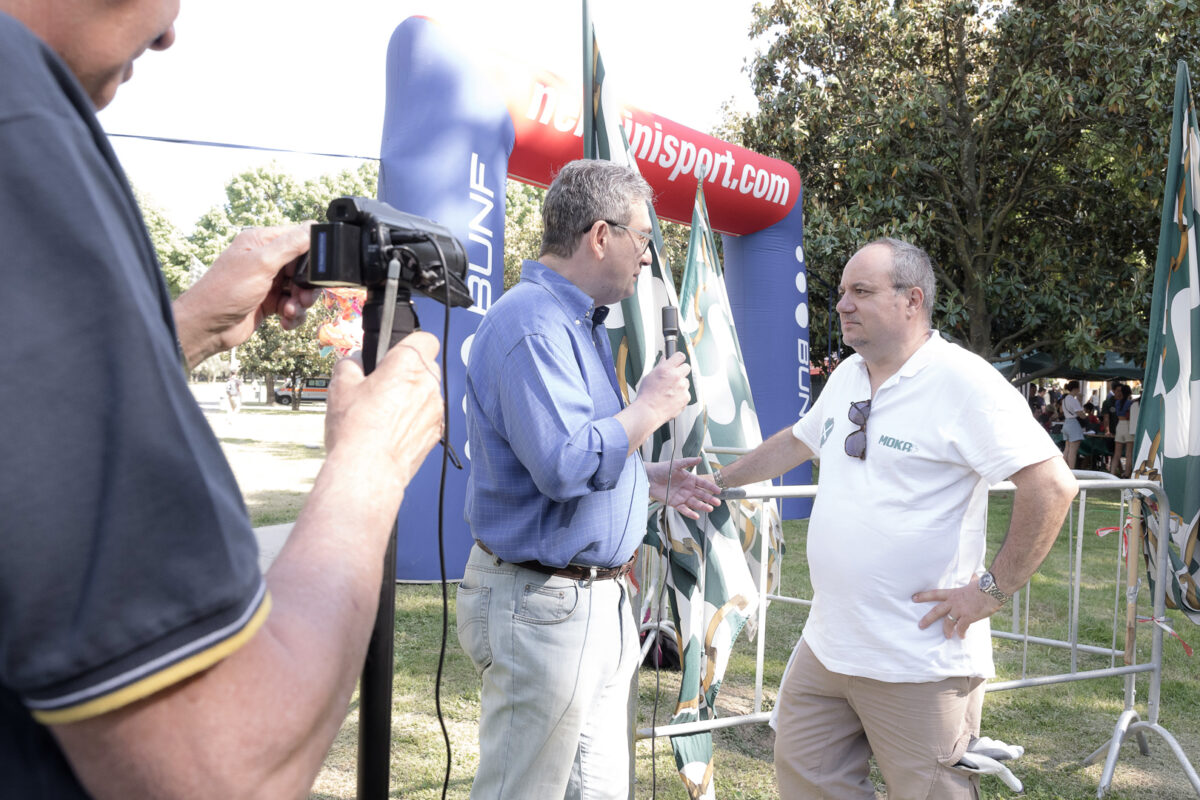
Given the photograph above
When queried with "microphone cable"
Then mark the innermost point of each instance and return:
(447, 456)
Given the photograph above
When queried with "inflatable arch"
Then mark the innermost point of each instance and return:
(455, 130)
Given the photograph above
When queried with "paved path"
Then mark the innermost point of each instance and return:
(270, 542)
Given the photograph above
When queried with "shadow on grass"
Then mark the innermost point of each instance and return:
(275, 506)
(283, 450)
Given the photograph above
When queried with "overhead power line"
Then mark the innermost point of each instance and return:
(232, 146)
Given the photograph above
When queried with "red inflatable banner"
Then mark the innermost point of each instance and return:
(746, 191)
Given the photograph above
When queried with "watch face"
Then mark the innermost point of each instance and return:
(987, 581)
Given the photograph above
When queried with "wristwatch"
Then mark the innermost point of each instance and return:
(987, 585)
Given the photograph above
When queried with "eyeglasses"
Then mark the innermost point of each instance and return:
(856, 442)
(645, 237)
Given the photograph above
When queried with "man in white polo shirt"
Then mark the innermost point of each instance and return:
(910, 431)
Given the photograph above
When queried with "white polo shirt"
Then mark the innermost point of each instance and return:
(912, 515)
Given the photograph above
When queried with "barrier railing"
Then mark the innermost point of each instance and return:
(1128, 723)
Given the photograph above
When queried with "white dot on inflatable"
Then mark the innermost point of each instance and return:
(802, 315)
(464, 405)
(802, 282)
(800, 253)
(465, 351)
(467, 450)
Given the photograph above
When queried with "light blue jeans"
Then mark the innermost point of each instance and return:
(558, 658)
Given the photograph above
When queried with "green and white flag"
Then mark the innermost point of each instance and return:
(714, 560)
(713, 589)
(719, 370)
(1167, 446)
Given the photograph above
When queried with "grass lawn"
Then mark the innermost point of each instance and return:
(1058, 725)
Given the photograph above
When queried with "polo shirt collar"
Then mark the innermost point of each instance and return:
(921, 358)
(924, 354)
(574, 301)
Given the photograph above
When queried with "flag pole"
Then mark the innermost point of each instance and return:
(1132, 580)
(589, 113)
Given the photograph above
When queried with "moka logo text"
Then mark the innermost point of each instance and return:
(897, 444)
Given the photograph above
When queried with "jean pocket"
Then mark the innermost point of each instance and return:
(471, 619)
(548, 604)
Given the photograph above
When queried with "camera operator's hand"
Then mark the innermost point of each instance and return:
(389, 420)
(661, 396)
(249, 281)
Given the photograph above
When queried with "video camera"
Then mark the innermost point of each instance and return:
(363, 236)
(367, 242)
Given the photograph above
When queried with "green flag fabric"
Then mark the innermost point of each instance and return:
(703, 563)
(719, 370)
(714, 561)
(1167, 443)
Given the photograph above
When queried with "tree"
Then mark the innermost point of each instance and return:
(294, 355)
(175, 252)
(268, 196)
(522, 227)
(1021, 143)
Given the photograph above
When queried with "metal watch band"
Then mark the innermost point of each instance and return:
(719, 479)
(987, 585)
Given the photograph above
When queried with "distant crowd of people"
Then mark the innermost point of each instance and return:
(1061, 412)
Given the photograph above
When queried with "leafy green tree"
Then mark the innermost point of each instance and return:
(266, 196)
(522, 227)
(1021, 143)
(175, 252)
(273, 353)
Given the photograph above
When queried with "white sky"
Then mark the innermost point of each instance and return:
(309, 75)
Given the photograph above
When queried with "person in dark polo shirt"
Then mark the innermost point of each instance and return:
(142, 652)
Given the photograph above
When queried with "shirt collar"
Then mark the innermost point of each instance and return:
(920, 359)
(576, 302)
(923, 355)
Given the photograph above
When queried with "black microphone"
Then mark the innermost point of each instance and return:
(670, 328)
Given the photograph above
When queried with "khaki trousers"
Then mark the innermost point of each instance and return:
(829, 726)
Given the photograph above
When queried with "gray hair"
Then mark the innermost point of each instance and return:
(582, 192)
(911, 267)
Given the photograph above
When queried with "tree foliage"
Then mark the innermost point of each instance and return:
(268, 196)
(522, 227)
(1021, 143)
(175, 252)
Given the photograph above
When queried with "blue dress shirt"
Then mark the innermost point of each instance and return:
(550, 479)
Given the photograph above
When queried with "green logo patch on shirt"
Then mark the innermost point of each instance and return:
(897, 444)
(826, 430)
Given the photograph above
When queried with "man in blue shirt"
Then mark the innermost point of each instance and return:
(557, 499)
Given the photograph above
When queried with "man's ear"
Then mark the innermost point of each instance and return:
(916, 298)
(597, 239)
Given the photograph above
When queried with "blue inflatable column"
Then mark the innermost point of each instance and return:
(447, 137)
(768, 292)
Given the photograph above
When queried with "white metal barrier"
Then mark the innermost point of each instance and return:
(1127, 723)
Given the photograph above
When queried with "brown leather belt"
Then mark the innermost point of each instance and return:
(576, 572)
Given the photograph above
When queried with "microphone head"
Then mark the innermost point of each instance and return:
(670, 321)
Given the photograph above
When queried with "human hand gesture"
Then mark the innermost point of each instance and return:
(690, 493)
(391, 418)
(956, 608)
(249, 281)
(665, 390)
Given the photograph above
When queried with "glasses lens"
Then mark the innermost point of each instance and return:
(856, 444)
(859, 412)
